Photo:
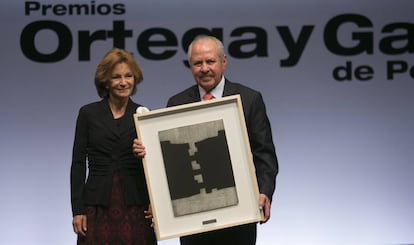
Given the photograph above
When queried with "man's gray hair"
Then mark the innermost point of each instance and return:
(219, 44)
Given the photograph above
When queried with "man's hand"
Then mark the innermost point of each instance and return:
(79, 225)
(264, 205)
(138, 148)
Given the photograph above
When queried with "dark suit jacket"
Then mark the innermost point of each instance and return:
(258, 127)
(106, 144)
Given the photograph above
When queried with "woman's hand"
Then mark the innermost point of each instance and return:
(138, 148)
(79, 224)
(148, 215)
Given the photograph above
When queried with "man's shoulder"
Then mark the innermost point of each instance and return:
(188, 95)
(186, 91)
(234, 87)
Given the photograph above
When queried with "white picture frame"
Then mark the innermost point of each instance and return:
(178, 142)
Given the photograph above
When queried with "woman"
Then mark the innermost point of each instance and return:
(111, 207)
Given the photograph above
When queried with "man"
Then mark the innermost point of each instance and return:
(207, 63)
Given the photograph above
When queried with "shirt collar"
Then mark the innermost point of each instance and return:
(217, 91)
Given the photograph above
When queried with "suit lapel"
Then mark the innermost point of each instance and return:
(193, 95)
(229, 89)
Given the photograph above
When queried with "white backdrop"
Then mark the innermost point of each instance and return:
(345, 148)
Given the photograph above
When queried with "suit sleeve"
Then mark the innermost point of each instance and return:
(261, 143)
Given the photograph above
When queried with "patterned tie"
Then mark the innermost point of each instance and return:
(208, 96)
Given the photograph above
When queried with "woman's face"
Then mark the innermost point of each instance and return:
(122, 82)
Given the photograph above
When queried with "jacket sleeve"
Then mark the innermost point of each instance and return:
(78, 167)
(261, 143)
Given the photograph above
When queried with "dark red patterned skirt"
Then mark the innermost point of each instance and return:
(118, 224)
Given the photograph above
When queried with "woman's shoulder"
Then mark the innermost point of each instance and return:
(91, 105)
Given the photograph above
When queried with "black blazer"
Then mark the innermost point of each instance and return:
(258, 127)
(106, 145)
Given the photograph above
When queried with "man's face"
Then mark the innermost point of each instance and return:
(206, 65)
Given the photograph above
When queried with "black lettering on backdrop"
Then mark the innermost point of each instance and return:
(343, 35)
(386, 44)
(347, 72)
(30, 6)
(393, 44)
(364, 39)
(295, 48)
(145, 42)
(400, 41)
(91, 8)
(118, 34)
(398, 67)
(84, 50)
(259, 41)
(65, 40)
(28, 44)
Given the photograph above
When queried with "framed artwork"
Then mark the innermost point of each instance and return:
(198, 167)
